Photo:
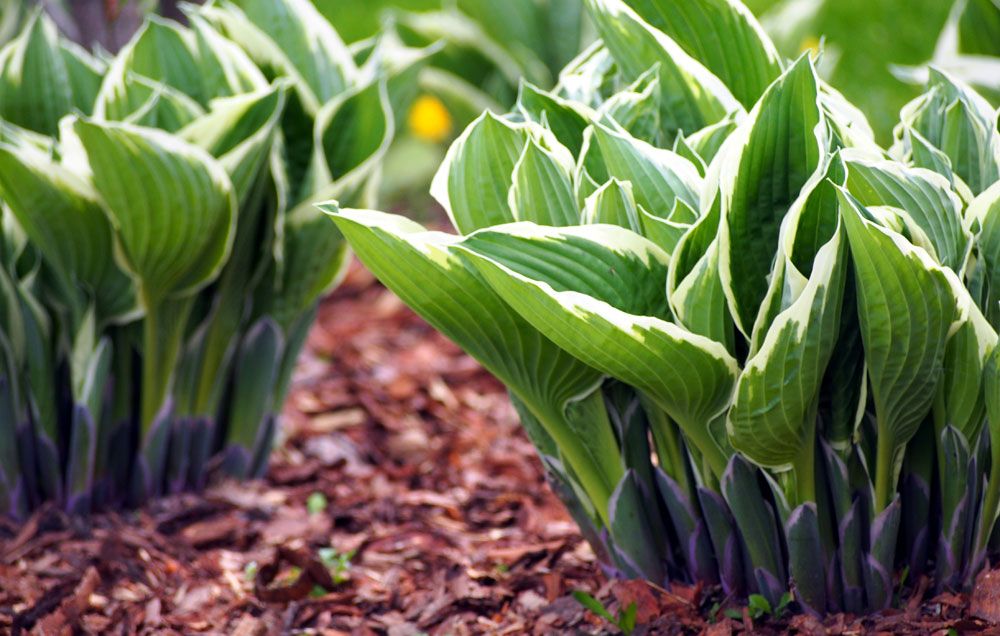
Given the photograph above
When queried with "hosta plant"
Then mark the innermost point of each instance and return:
(161, 256)
(752, 347)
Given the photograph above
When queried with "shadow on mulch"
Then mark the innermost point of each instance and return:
(405, 500)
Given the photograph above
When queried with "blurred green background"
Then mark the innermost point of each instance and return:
(863, 36)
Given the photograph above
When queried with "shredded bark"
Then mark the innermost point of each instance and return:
(404, 500)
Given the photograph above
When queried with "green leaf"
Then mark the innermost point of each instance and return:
(36, 90)
(659, 177)
(440, 283)
(960, 123)
(767, 161)
(566, 119)
(60, 213)
(541, 191)
(473, 182)
(926, 197)
(724, 36)
(613, 204)
(608, 310)
(905, 321)
(168, 254)
(289, 38)
(984, 213)
(772, 421)
(636, 108)
(691, 97)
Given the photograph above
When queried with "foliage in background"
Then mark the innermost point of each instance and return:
(161, 254)
(486, 49)
(693, 249)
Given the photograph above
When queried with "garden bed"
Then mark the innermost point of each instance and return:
(404, 458)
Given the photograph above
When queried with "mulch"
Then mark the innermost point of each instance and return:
(405, 500)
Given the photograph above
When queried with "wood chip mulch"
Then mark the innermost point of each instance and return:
(405, 500)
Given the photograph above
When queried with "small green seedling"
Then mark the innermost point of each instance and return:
(316, 503)
(624, 620)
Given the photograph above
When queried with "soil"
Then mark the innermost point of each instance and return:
(404, 500)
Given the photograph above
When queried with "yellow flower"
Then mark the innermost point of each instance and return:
(810, 43)
(429, 119)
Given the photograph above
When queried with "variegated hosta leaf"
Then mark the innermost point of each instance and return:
(590, 77)
(906, 307)
(694, 285)
(353, 132)
(61, 215)
(136, 99)
(542, 190)
(765, 164)
(473, 182)
(925, 196)
(636, 108)
(289, 38)
(613, 204)
(442, 286)
(169, 254)
(659, 177)
(239, 131)
(565, 118)
(691, 97)
(597, 292)
(984, 215)
(961, 403)
(961, 124)
(36, 88)
(315, 259)
(773, 418)
(724, 36)
(163, 50)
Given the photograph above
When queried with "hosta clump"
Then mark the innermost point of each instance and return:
(752, 347)
(162, 258)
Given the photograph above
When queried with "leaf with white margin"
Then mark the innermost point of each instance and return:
(597, 292)
(926, 197)
(541, 190)
(163, 50)
(352, 132)
(589, 77)
(293, 38)
(429, 274)
(473, 181)
(142, 101)
(171, 204)
(724, 36)
(962, 124)
(773, 417)
(983, 214)
(765, 164)
(239, 132)
(659, 177)
(612, 204)
(35, 87)
(85, 74)
(961, 403)
(61, 215)
(906, 307)
(691, 97)
(636, 108)
(565, 118)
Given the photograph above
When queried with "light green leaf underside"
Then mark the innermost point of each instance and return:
(427, 271)
(724, 36)
(772, 420)
(770, 157)
(586, 310)
(62, 217)
(906, 307)
(144, 177)
(691, 97)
